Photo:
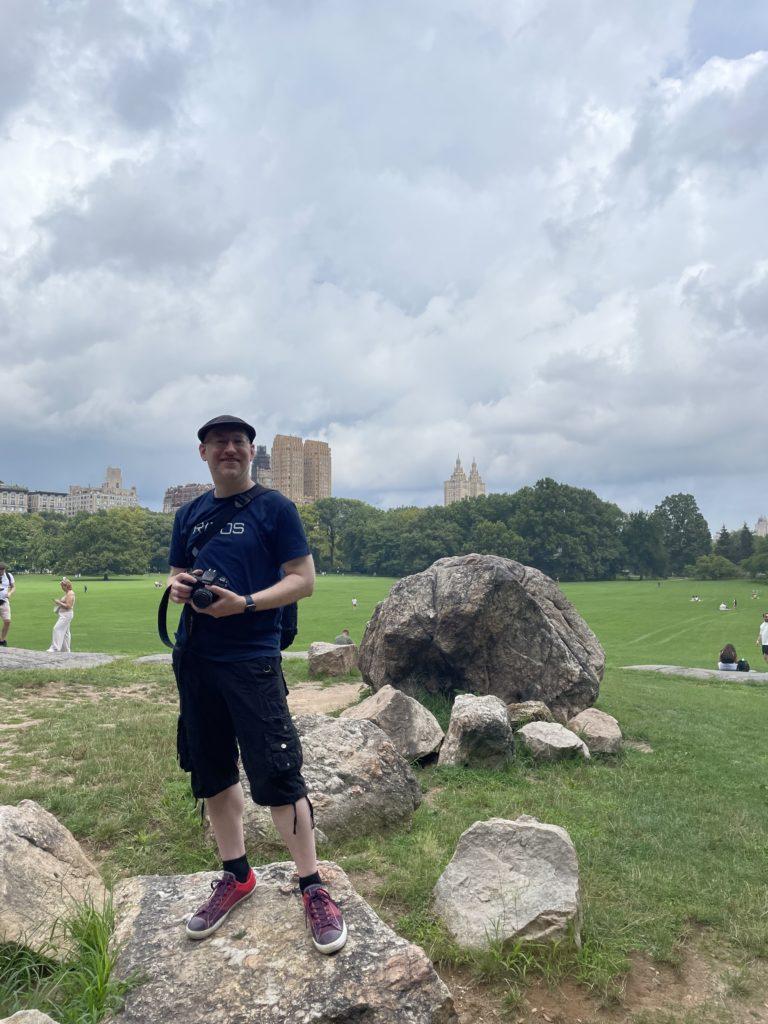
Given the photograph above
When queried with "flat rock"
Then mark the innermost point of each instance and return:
(358, 783)
(261, 967)
(413, 730)
(486, 625)
(43, 874)
(600, 731)
(151, 659)
(701, 673)
(479, 734)
(331, 659)
(510, 881)
(528, 711)
(19, 658)
(28, 1017)
(550, 741)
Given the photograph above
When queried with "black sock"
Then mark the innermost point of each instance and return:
(310, 880)
(239, 867)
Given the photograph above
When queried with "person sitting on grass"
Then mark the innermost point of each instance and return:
(344, 638)
(730, 661)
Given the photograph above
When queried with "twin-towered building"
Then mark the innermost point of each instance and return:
(459, 486)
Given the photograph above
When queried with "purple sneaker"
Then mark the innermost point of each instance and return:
(324, 918)
(227, 893)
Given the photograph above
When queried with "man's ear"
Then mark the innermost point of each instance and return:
(201, 449)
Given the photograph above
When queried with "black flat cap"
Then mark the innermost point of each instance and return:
(227, 421)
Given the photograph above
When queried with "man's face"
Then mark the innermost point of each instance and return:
(228, 453)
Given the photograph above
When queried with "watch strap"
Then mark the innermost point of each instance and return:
(250, 604)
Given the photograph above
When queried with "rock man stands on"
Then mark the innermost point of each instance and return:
(228, 671)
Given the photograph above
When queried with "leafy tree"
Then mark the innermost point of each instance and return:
(106, 542)
(333, 516)
(713, 567)
(685, 530)
(643, 541)
(726, 544)
(493, 538)
(744, 544)
(757, 563)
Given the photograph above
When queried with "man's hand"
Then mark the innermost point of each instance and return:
(227, 603)
(181, 587)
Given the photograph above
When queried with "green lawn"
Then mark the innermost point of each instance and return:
(119, 616)
(637, 622)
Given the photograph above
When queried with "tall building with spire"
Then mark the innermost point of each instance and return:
(458, 486)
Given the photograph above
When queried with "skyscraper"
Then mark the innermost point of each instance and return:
(317, 470)
(288, 466)
(261, 467)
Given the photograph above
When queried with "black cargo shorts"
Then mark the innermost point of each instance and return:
(238, 704)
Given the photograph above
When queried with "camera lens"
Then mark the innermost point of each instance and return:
(203, 598)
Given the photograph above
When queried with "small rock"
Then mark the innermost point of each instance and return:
(528, 711)
(510, 880)
(479, 733)
(549, 741)
(331, 659)
(413, 730)
(600, 731)
(28, 1017)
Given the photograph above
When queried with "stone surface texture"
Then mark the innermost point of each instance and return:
(528, 711)
(28, 1017)
(479, 733)
(331, 659)
(413, 730)
(43, 874)
(261, 967)
(702, 673)
(509, 881)
(358, 783)
(600, 731)
(486, 625)
(550, 741)
(18, 658)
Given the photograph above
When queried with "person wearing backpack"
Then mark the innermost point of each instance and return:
(250, 544)
(7, 587)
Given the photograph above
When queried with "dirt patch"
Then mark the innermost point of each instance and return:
(698, 989)
(307, 698)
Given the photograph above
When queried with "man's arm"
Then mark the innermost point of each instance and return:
(298, 582)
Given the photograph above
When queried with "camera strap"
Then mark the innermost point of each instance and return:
(210, 529)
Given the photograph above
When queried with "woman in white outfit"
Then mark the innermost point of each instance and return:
(65, 610)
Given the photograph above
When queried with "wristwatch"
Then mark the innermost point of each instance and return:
(250, 604)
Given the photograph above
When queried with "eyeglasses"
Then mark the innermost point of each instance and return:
(239, 443)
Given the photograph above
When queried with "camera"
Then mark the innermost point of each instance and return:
(201, 597)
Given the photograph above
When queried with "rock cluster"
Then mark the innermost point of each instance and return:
(485, 625)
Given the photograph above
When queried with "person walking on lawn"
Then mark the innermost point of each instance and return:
(762, 636)
(228, 671)
(7, 587)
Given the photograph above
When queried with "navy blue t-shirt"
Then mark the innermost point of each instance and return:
(249, 550)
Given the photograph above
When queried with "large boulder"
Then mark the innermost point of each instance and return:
(261, 965)
(413, 730)
(550, 741)
(510, 881)
(357, 781)
(485, 625)
(331, 659)
(479, 734)
(600, 731)
(44, 875)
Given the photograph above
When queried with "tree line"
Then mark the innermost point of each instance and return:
(567, 532)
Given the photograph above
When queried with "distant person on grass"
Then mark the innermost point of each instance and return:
(65, 610)
(344, 638)
(729, 660)
(228, 671)
(7, 587)
(762, 636)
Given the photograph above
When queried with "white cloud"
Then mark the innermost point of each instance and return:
(532, 234)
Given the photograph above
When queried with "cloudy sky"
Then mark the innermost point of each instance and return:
(532, 231)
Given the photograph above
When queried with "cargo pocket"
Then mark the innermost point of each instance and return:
(283, 748)
(182, 747)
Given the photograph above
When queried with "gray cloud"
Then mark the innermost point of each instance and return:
(532, 234)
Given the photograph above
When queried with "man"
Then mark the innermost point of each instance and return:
(762, 636)
(231, 687)
(7, 587)
(344, 638)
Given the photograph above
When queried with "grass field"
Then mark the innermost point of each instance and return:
(672, 845)
(637, 622)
